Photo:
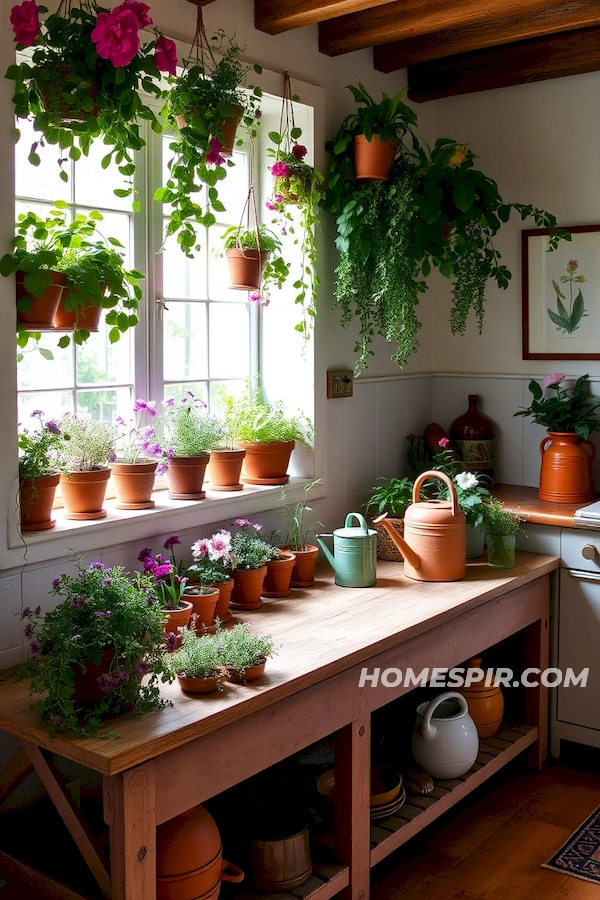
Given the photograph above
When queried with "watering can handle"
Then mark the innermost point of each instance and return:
(441, 475)
(361, 522)
(427, 729)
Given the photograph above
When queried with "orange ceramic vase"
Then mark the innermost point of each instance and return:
(224, 470)
(36, 499)
(266, 463)
(186, 477)
(373, 159)
(247, 588)
(279, 575)
(83, 494)
(133, 484)
(486, 703)
(566, 470)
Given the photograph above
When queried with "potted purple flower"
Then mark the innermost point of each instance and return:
(133, 472)
(169, 586)
(38, 473)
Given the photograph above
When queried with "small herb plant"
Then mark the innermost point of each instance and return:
(199, 656)
(274, 272)
(85, 444)
(102, 609)
(256, 421)
(168, 584)
(563, 412)
(39, 449)
(249, 550)
(213, 559)
(393, 496)
(500, 521)
(298, 526)
(241, 649)
(184, 428)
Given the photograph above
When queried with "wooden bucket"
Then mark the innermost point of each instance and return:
(281, 865)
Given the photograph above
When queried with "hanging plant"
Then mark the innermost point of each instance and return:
(436, 210)
(84, 79)
(204, 106)
(296, 185)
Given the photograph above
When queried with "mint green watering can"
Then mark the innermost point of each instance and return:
(354, 558)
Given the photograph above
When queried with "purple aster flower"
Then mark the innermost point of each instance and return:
(37, 412)
(119, 420)
(162, 467)
(52, 426)
(97, 565)
(35, 648)
(171, 641)
(169, 401)
(26, 612)
(106, 582)
(28, 630)
(170, 542)
(56, 582)
(142, 668)
(139, 405)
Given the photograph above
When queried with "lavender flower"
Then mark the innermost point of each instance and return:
(35, 648)
(26, 612)
(170, 642)
(170, 542)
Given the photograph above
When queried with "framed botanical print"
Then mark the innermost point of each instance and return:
(561, 294)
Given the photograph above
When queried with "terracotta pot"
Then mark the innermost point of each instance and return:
(134, 483)
(224, 470)
(83, 494)
(227, 130)
(279, 575)
(252, 673)
(36, 499)
(39, 316)
(245, 268)
(373, 159)
(186, 477)
(566, 470)
(222, 611)
(204, 606)
(247, 588)
(177, 618)
(200, 685)
(189, 862)
(303, 571)
(266, 463)
(486, 704)
(87, 689)
(87, 317)
(281, 865)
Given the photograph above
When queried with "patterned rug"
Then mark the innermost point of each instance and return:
(580, 855)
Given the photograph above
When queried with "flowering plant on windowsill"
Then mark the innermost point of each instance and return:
(182, 428)
(563, 412)
(86, 77)
(213, 559)
(168, 582)
(85, 444)
(38, 450)
(135, 435)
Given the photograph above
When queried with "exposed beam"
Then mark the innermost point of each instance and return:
(275, 16)
(570, 53)
(404, 20)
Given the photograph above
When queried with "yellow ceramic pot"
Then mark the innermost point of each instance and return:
(486, 703)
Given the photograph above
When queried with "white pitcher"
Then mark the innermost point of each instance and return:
(445, 741)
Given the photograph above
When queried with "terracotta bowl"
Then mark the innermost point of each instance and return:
(385, 785)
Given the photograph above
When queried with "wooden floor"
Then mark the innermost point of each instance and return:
(493, 846)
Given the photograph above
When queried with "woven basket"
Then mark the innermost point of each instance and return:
(386, 548)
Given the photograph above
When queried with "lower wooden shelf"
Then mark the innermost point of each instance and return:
(325, 882)
(418, 812)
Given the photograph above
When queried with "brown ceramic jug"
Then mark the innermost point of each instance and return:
(566, 469)
(484, 699)
(435, 535)
(473, 436)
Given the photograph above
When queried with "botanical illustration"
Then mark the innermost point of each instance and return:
(569, 311)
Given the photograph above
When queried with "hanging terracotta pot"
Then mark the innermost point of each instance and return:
(304, 568)
(204, 605)
(189, 858)
(186, 477)
(134, 483)
(224, 470)
(87, 317)
(227, 130)
(247, 588)
(222, 612)
(245, 268)
(566, 470)
(177, 618)
(83, 494)
(36, 499)
(373, 159)
(39, 315)
(266, 463)
(251, 673)
(279, 575)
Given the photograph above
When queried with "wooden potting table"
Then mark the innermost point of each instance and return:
(167, 761)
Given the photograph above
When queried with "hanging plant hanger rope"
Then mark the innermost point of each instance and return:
(251, 213)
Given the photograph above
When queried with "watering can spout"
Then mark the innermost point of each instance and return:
(409, 555)
(326, 549)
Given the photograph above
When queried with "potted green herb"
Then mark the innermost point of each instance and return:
(392, 496)
(86, 78)
(38, 473)
(299, 526)
(501, 528)
(168, 586)
(86, 448)
(212, 567)
(245, 654)
(90, 653)
(198, 664)
(254, 261)
(252, 553)
(204, 104)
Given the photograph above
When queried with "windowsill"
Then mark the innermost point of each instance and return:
(123, 526)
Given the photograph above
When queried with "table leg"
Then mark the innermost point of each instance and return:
(130, 812)
(536, 698)
(352, 778)
(14, 773)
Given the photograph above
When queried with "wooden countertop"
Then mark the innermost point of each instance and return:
(318, 633)
(525, 502)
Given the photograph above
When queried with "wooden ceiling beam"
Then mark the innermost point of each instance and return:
(555, 56)
(511, 29)
(276, 16)
(405, 20)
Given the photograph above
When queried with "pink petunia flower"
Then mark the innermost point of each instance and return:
(214, 155)
(25, 21)
(140, 11)
(552, 379)
(165, 55)
(279, 170)
(443, 442)
(116, 36)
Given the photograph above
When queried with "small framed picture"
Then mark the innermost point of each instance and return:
(561, 294)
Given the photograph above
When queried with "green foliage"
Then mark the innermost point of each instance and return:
(275, 271)
(85, 444)
(393, 496)
(241, 649)
(569, 313)
(102, 610)
(206, 93)
(298, 526)
(39, 449)
(75, 97)
(253, 419)
(187, 429)
(199, 656)
(563, 412)
(248, 548)
(500, 521)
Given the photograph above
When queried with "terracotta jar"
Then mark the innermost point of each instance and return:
(566, 470)
(204, 605)
(474, 439)
(134, 483)
(36, 499)
(247, 588)
(83, 494)
(485, 702)
(245, 268)
(39, 315)
(373, 159)
(304, 568)
(186, 477)
(279, 575)
(224, 470)
(266, 463)
(189, 858)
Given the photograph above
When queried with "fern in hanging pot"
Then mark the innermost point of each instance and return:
(85, 78)
(205, 104)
